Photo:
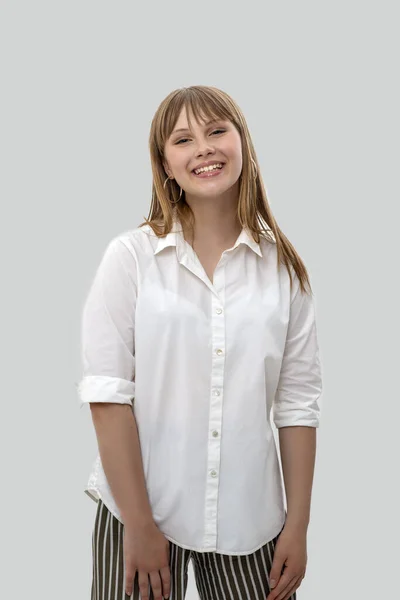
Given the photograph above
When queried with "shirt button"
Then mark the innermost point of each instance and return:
(219, 351)
(215, 433)
(217, 393)
(213, 473)
(218, 311)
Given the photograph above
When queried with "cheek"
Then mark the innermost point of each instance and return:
(235, 157)
(233, 151)
(177, 161)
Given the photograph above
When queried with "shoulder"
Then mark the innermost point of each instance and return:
(136, 241)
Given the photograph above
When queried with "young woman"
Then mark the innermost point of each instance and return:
(199, 322)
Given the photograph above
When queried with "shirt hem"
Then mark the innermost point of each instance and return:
(95, 495)
(243, 553)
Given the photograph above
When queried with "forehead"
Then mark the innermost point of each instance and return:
(187, 120)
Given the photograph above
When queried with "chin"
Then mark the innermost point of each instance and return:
(211, 188)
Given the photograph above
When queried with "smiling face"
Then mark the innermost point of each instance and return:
(215, 142)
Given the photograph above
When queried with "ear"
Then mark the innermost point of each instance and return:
(166, 168)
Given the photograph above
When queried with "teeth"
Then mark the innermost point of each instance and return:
(210, 168)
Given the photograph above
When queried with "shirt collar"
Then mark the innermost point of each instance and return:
(175, 238)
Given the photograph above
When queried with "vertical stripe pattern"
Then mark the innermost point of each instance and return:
(217, 577)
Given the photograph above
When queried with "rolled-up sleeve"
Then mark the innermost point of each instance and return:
(300, 381)
(107, 329)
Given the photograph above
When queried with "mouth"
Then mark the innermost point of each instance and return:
(212, 173)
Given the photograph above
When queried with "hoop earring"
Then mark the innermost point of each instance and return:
(180, 195)
(166, 181)
(255, 167)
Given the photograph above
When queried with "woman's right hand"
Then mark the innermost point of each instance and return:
(146, 550)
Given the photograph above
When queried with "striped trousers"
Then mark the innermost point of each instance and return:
(217, 576)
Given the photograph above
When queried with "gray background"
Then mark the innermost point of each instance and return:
(318, 84)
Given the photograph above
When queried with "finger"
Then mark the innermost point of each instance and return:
(290, 589)
(276, 571)
(155, 583)
(283, 582)
(144, 585)
(166, 581)
(129, 578)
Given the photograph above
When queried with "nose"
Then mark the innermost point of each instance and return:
(204, 148)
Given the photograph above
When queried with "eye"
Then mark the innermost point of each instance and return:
(185, 139)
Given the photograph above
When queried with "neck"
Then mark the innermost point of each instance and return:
(216, 221)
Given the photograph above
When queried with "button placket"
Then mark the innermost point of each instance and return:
(216, 399)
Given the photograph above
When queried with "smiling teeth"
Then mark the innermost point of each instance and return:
(210, 168)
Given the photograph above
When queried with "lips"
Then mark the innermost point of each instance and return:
(209, 174)
(209, 165)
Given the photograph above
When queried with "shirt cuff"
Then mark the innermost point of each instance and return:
(305, 416)
(101, 388)
(301, 421)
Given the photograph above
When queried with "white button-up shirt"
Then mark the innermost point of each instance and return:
(202, 364)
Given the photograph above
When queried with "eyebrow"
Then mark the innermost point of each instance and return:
(208, 123)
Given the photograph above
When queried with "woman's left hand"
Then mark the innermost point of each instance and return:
(290, 554)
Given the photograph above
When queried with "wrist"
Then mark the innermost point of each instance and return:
(142, 521)
(296, 523)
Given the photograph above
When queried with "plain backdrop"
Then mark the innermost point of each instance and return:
(80, 82)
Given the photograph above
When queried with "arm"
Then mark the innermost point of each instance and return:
(298, 448)
(120, 453)
(296, 415)
(108, 383)
(296, 408)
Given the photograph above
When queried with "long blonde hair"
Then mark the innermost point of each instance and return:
(253, 206)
